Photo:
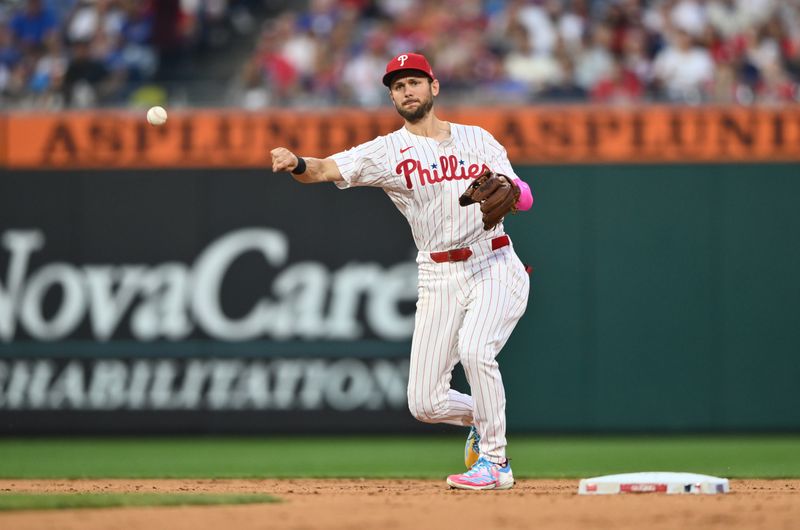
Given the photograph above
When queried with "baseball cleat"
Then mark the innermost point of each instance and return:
(484, 475)
(472, 450)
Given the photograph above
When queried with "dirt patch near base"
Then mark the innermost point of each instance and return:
(414, 504)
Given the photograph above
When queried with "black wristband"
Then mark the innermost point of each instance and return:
(300, 168)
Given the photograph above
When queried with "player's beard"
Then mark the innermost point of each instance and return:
(422, 110)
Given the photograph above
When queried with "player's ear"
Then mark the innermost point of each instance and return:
(435, 87)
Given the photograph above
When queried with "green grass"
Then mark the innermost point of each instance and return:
(422, 457)
(50, 501)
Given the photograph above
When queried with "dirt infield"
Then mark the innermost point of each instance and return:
(414, 504)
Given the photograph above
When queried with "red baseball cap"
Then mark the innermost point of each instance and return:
(407, 61)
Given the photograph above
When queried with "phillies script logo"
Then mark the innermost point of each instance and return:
(449, 168)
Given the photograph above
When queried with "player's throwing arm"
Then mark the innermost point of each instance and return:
(305, 170)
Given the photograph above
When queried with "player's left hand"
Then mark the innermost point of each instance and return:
(497, 194)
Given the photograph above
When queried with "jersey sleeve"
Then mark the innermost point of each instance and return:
(498, 158)
(363, 165)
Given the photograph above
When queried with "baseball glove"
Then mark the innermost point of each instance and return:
(497, 194)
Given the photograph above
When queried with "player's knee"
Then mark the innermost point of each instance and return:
(415, 405)
(422, 408)
(419, 411)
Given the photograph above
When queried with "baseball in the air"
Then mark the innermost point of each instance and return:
(156, 116)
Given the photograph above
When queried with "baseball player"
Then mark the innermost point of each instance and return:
(454, 184)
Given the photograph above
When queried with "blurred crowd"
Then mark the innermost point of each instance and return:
(58, 53)
(85, 53)
(608, 51)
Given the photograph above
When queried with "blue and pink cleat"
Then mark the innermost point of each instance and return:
(484, 475)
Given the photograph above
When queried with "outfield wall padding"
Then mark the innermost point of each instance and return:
(664, 298)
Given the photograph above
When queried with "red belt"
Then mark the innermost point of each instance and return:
(461, 254)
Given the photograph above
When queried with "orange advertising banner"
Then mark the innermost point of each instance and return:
(531, 135)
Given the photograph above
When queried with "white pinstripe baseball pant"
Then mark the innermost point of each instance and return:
(465, 313)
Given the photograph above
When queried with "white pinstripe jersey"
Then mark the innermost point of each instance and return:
(424, 178)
